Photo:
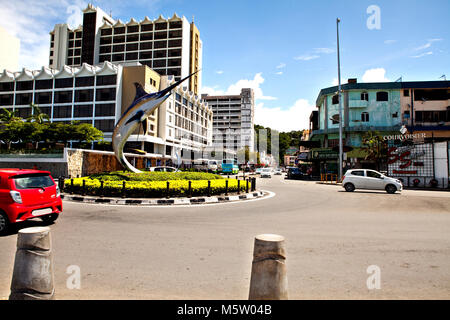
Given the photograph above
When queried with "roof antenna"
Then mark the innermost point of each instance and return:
(192, 18)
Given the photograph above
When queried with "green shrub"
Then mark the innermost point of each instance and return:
(151, 189)
(154, 176)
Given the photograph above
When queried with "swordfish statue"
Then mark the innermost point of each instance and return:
(137, 113)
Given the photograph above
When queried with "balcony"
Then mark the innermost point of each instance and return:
(358, 104)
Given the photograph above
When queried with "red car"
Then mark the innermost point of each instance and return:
(27, 194)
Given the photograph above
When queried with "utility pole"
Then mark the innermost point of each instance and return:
(341, 147)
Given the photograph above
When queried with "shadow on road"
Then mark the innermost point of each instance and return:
(14, 228)
(372, 192)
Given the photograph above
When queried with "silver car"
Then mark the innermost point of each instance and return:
(370, 179)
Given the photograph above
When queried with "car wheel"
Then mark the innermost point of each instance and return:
(4, 223)
(50, 218)
(349, 187)
(390, 188)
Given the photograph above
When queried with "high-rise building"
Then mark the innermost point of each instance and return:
(100, 94)
(233, 122)
(9, 51)
(168, 46)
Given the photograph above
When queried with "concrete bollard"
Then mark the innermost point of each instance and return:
(33, 271)
(269, 278)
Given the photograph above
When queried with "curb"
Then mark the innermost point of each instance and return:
(164, 202)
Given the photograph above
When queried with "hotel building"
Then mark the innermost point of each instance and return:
(233, 122)
(168, 46)
(100, 94)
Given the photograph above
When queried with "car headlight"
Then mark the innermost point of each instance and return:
(15, 195)
(58, 192)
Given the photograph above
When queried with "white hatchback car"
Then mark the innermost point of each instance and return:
(266, 172)
(370, 179)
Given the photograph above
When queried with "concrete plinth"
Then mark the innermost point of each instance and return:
(269, 277)
(33, 272)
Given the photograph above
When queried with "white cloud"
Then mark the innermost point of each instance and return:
(235, 88)
(279, 73)
(390, 41)
(31, 21)
(425, 46)
(423, 54)
(281, 66)
(335, 81)
(295, 117)
(323, 50)
(219, 71)
(307, 57)
(375, 75)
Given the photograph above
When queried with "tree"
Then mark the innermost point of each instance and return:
(38, 116)
(376, 147)
(7, 116)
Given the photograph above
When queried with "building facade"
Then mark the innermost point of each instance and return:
(168, 46)
(379, 120)
(233, 121)
(100, 94)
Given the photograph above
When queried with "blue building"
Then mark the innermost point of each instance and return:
(367, 108)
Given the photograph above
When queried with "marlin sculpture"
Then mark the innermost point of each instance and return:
(137, 113)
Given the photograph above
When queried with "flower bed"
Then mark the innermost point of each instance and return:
(153, 189)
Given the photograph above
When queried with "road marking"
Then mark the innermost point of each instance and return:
(269, 195)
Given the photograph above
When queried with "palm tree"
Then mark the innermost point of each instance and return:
(7, 116)
(38, 116)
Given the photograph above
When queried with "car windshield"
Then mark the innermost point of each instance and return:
(31, 181)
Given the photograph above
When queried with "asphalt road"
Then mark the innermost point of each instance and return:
(205, 252)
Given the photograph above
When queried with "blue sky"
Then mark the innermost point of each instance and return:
(285, 50)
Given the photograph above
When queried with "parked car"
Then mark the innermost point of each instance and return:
(27, 194)
(278, 172)
(163, 169)
(370, 179)
(266, 172)
(296, 173)
(258, 170)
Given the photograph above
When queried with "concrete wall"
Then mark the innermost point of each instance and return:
(76, 162)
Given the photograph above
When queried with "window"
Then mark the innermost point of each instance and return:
(132, 47)
(118, 48)
(106, 32)
(6, 100)
(162, 44)
(335, 99)
(104, 125)
(64, 83)
(82, 111)
(335, 119)
(6, 86)
(84, 81)
(23, 98)
(62, 112)
(395, 115)
(119, 30)
(43, 97)
(106, 80)
(146, 36)
(364, 117)
(145, 55)
(132, 29)
(433, 95)
(358, 173)
(406, 93)
(63, 96)
(382, 96)
(374, 174)
(147, 27)
(106, 94)
(161, 26)
(43, 84)
(146, 46)
(24, 85)
(105, 110)
(84, 95)
(132, 56)
(365, 96)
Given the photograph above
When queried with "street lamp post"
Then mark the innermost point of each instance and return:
(341, 147)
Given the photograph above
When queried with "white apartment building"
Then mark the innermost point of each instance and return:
(233, 121)
(100, 94)
(170, 46)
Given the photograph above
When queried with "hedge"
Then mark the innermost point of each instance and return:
(154, 176)
(151, 189)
